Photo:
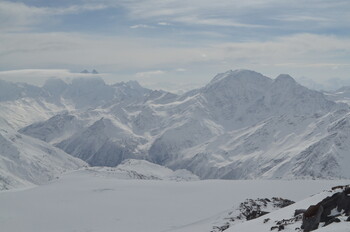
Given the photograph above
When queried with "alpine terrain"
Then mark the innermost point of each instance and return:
(241, 125)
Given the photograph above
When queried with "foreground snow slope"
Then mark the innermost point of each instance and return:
(266, 222)
(83, 201)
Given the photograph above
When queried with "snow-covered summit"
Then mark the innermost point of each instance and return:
(240, 125)
(239, 74)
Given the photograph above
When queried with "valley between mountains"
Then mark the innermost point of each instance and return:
(233, 155)
(241, 125)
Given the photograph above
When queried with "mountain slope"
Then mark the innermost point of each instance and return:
(241, 125)
(141, 169)
(25, 161)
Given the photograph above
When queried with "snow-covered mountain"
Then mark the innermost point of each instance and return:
(241, 125)
(141, 169)
(340, 95)
(26, 161)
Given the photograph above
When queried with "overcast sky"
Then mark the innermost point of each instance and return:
(175, 44)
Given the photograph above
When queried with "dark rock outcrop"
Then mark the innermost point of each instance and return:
(299, 211)
(327, 210)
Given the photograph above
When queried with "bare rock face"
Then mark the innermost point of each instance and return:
(328, 210)
(312, 217)
(251, 209)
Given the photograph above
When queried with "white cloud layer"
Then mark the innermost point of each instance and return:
(149, 73)
(39, 76)
(153, 38)
(16, 16)
(69, 49)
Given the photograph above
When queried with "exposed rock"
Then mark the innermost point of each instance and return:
(311, 218)
(299, 211)
(279, 228)
(328, 209)
(221, 228)
(334, 219)
(281, 203)
(253, 208)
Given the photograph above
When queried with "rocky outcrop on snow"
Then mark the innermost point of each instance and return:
(326, 211)
(333, 209)
(251, 209)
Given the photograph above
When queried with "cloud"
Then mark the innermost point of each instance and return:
(42, 50)
(140, 26)
(215, 22)
(311, 55)
(149, 73)
(17, 16)
(282, 15)
(180, 70)
(38, 76)
(164, 24)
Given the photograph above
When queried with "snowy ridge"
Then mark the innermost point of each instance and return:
(278, 214)
(25, 161)
(340, 95)
(241, 125)
(141, 169)
(287, 219)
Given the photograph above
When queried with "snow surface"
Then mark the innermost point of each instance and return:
(288, 213)
(83, 201)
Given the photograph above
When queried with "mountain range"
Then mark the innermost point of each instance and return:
(241, 125)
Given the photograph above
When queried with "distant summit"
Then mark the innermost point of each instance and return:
(92, 72)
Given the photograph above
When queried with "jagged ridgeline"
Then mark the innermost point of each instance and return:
(241, 125)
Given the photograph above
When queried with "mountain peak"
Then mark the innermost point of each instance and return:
(285, 78)
(134, 84)
(94, 71)
(239, 74)
(85, 71)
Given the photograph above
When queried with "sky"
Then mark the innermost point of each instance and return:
(175, 44)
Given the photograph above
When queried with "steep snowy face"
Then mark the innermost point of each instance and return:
(104, 143)
(286, 96)
(88, 92)
(13, 91)
(329, 156)
(340, 95)
(25, 161)
(55, 88)
(231, 94)
(130, 92)
(55, 129)
(241, 125)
